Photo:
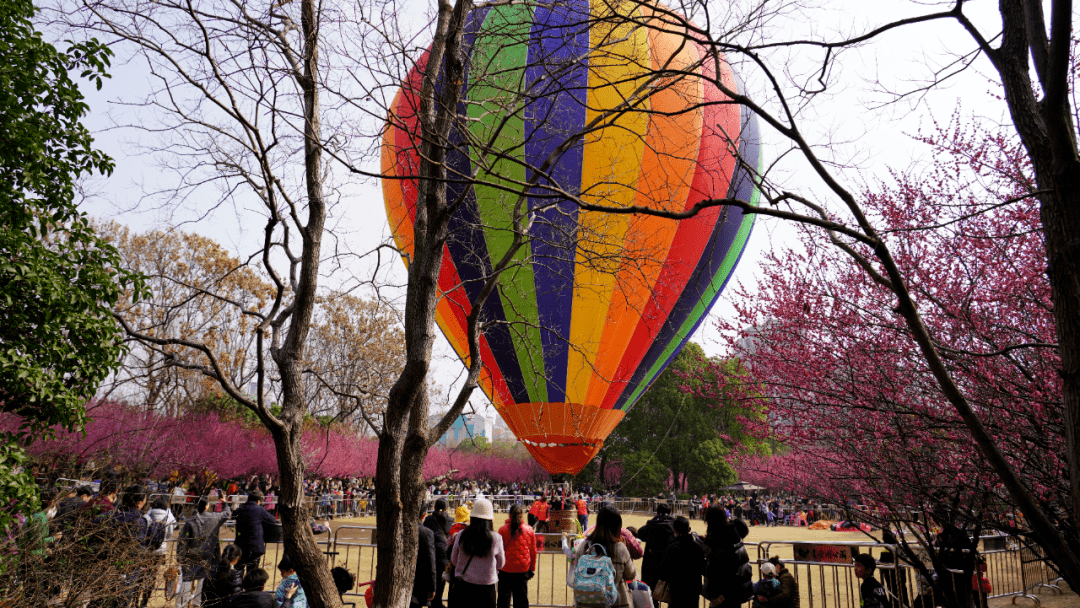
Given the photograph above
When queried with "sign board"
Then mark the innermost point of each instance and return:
(825, 554)
(549, 543)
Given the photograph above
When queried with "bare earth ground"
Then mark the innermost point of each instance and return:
(827, 587)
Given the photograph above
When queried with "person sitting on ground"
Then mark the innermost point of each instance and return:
(767, 587)
(289, 589)
(789, 587)
(254, 595)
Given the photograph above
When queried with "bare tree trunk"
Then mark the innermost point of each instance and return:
(403, 443)
(1048, 134)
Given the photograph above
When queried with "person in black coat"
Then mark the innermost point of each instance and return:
(683, 566)
(254, 595)
(439, 524)
(225, 579)
(424, 580)
(727, 569)
(250, 519)
(657, 534)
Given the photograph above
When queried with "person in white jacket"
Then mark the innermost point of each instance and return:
(159, 514)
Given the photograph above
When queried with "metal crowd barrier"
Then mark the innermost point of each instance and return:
(823, 570)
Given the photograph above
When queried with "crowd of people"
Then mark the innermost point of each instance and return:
(463, 556)
(489, 567)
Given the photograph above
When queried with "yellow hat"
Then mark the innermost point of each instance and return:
(461, 515)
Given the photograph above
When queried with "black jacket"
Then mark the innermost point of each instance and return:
(657, 534)
(222, 585)
(439, 526)
(424, 582)
(728, 567)
(252, 599)
(683, 566)
(250, 519)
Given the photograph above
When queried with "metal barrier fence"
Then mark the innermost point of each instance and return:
(823, 571)
(1014, 570)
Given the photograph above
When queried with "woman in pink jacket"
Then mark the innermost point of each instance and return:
(519, 543)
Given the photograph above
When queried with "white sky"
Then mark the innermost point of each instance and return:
(875, 138)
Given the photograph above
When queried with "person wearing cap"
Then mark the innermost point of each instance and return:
(767, 587)
(873, 593)
(461, 521)
(789, 587)
(477, 557)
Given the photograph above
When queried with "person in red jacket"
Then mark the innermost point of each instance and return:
(519, 543)
(582, 512)
(539, 510)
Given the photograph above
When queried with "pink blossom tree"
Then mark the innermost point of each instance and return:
(850, 391)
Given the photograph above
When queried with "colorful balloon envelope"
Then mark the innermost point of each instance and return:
(570, 102)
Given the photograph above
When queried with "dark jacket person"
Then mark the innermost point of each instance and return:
(250, 519)
(657, 534)
(728, 570)
(424, 581)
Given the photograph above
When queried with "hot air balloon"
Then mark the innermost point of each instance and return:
(568, 102)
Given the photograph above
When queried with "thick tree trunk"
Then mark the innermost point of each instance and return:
(308, 560)
(1048, 134)
(403, 443)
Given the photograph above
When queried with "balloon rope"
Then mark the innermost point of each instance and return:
(649, 459)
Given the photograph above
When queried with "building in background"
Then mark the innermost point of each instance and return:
(466, 427)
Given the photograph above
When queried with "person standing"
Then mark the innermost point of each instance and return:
(542, 511)
(727, 569)
(160, 524)
(124, 529)
(423, 590)
(583, 512)
(439, 525)
(683, 565)
(198, 549)
(251, 518)
(608, 534)
(519, 542)
(873, 593)
(477, 557)
(657, 534)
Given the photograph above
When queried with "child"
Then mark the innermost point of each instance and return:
(766, 588)
(874, 594)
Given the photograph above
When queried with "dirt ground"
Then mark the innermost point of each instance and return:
(825, 587)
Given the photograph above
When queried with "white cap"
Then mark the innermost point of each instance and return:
(768, 569)
(481, 509)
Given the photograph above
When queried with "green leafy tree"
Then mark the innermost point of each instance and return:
(58, 278)
(688, 423)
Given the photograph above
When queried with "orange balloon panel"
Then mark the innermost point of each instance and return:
(562, 437)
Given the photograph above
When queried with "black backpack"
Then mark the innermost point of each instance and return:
(155, 535)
